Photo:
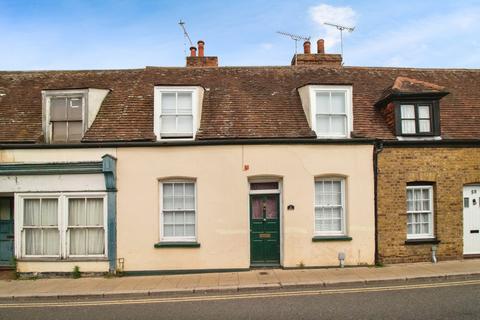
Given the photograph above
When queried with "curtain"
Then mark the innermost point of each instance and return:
(31, 212)
(95, 241)
(33, 241)
(76, 212)
(94, 212)
(77, 241)
(49, 212)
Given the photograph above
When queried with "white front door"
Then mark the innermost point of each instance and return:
(471, 220)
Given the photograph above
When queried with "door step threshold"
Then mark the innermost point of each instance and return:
(471, 256)
(265, 265)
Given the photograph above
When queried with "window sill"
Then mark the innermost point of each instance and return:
(178, 244)
(331, 238)
(422, 241)
(56, 259)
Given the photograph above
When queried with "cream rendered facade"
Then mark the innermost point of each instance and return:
(222, 174)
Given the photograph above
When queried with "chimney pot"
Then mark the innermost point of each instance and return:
(320, 46)
(201, 48)
(193, 52)
(306, 47)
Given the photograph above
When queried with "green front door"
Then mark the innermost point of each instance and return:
(265, 230)
(6, 232)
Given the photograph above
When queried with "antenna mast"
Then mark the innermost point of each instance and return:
(185, 36)
(341, 29)
(295, 38)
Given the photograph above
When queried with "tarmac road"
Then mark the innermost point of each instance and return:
(433, 300)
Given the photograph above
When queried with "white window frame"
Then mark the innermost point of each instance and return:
(348, 108)
(49, 94)
(62, 222)
(157, 112)
(343, 231)
(431, 233)
(161, 226)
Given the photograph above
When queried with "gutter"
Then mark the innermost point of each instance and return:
(213, 142)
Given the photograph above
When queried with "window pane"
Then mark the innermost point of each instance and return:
(323, 102)
(263, 185)
(179, 230)
(51, 242)
(168, 190)
(75, 131)
(190, 217)
(338, 125)
(96, 241)
(95, 212)
(168, 217)
(49, 212)
(76, 212)
(407, 111)
(179, 218)
(167, 203)
(168, 230)
(338, 102)
(168, 103)
(189, 202)
(323, 125)
(59, 131)
(423, 112)
(185, 102)
(408, 126)
(424, 126)
(78, 241)
(31, 212)
(58, 109)
(190, 230)
(33, 241)
(189, 189)
(185, 124)
(74, 109)
(168, 124)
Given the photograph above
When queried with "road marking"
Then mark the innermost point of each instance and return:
(236, 296)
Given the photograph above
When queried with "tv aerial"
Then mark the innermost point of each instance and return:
(296, 38)
(185, 36)
(341, 29)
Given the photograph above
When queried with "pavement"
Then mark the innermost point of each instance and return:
(255, 279)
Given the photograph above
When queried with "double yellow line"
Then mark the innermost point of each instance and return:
(236, 296)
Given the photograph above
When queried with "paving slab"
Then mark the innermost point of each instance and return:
(235, 281)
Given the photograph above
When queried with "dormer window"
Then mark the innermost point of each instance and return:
(411, 108)
(328, 109)
(67, 114)
(176, 110)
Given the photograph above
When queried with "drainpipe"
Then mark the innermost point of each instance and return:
(377, 148)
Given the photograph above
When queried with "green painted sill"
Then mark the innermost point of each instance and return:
(331, 238)
(177, 245)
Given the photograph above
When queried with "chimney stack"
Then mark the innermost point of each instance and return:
(201, 48)
(320, 46)
(193, 52)
(317, 59)
(201, 60)
(306, 47)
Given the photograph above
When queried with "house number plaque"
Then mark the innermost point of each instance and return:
(265, 235)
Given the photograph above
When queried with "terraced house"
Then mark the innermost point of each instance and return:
(226, 168)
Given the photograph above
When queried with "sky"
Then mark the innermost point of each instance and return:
(86, 34)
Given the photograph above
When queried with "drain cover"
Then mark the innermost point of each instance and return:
(263, 273)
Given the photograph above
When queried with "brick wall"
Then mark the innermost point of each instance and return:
(449, 169)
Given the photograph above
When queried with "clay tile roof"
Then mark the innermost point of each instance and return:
(239, 102)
